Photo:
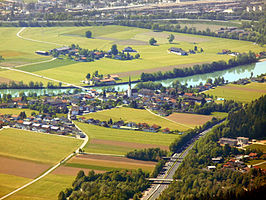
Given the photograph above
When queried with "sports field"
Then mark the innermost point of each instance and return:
(153, 58)
(137, 116)
(243, 93)
(116, 141)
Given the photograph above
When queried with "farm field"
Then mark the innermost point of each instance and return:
(16, 111)
(107, 162)
(10, 75)
(116, 141)
(153, 58)
(193, 120)
(243, 93)
(8, 183)
(37, 147)
(137, 116)
(47, 188)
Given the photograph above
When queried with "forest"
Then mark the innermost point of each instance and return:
(123, 184)
(199, 183)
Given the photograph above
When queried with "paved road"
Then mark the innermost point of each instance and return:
(156, 190)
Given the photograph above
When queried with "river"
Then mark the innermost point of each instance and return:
(231, 75)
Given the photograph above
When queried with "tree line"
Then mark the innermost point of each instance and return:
(150, 154)
(30, 85)
(242, 59)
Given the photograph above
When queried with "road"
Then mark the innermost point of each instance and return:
(170, 168)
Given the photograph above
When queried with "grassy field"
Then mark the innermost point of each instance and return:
(36, 147)
(115, 141)
(153, 58)
(135, 115)
(243, 93)
(47, 188)
(257, 146)
(16, 111)
(9, 183)
(193, 120)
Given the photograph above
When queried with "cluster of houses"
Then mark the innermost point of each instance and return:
(84, 55)
(42, 123)
(236, 163)
(228, 52)
(125, 125)
(231, 30)
(247, 81)
(105, 80)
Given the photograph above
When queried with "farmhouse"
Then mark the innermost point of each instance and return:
(43, 53)
(129, 49)
(230, 141)
(177, 51)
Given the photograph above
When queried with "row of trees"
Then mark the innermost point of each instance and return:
(123, 184)
(30, 85)
(150, 154)
(201, 69)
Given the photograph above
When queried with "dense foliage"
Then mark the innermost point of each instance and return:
(124, 184)
(201, 69)
(249, 121)
(30, 85)
(150, 154)
(199, 183)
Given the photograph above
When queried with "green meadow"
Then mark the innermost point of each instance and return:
(153, 58)
(47, 188)
(8, 183)
(16, 111)
(137, 116)
(119, 140)
(36, 147)
(242, 93)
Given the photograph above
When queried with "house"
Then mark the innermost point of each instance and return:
(242, 140)
(229, 141)
(166, 130)
(177, 51)
(217, 160)
(129, 49)
(43, 53)
(211, 168)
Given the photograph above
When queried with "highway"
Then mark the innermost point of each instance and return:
(170, 168)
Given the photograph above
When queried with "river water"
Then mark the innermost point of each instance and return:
(231, 75)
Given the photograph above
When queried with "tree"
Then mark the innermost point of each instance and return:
(137, 56)
(88, 76)
(195, 48)
(152, 41)
(88, 34)
(1, 58)
(22, 115)
(114, 50)
(171, 38)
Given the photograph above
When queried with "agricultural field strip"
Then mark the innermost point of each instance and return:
(168, 119)
(51, 169)
(47, 78)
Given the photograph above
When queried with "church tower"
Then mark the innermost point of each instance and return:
(129, 90)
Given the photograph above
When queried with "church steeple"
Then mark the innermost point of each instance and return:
(129, 91)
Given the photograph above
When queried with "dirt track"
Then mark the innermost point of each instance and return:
(21, 168)
(127, 144)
